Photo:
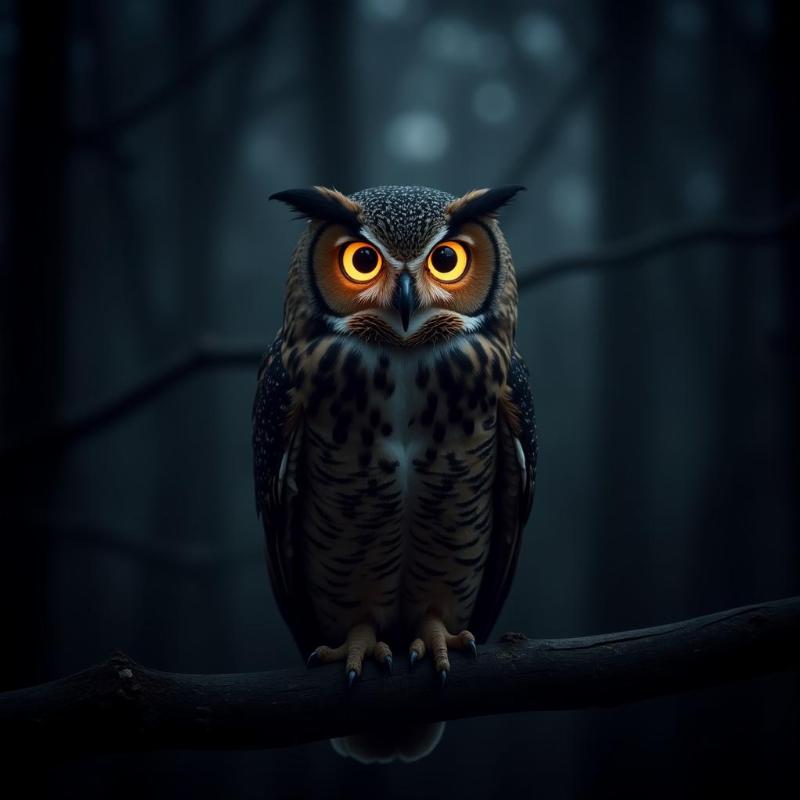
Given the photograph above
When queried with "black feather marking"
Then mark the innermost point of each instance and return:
(488, 303)
(310, 203)
(271, 440)
(270, 411)
(504, 550)
(468, 562)
(480, 206)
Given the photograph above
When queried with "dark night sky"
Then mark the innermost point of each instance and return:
(138, 146)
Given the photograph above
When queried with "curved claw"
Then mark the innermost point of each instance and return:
(473, 648)
(313, 659)
(443, 677)
(412, 659)
(387, 664)
(351, 678)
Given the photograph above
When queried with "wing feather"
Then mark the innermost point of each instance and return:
(515, 483)
(277, 456)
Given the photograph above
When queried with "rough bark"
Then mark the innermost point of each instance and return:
(121, 705)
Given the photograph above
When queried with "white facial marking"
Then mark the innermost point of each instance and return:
(376, 292)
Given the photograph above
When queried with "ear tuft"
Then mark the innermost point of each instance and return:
(480, 203)
(321, 203)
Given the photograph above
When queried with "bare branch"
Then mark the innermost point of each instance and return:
(245, 34)
(120, 705)
(660, 240)
(206, 353)
(553, 121)
(210, 353)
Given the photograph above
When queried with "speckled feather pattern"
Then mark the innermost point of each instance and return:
(401, 511)
(405, 217)
(406, 487)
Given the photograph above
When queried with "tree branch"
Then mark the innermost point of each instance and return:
(208, 352)
(120, 705)
(659, 240)
(245, 34)
(544, 134)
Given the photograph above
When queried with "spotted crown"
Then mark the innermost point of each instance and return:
(404, 217)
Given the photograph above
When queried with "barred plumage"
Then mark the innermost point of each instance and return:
(394, 436)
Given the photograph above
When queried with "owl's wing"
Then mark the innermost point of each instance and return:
(277, 455)
(513, 496)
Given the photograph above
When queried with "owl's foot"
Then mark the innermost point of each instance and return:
(361, 642)
(434, 637)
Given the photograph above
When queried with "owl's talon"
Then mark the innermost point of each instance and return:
(435, 637)
(361, 643)
(383, 655)
(415, 652)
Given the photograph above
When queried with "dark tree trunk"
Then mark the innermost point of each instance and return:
(783, 76)
(334, 115)
(32, 324)
(625, 135)
(622, 477)
(786, 342)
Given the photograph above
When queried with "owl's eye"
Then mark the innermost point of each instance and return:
(448, 261)
(360, 261)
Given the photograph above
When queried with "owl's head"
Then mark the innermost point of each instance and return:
(403, 265)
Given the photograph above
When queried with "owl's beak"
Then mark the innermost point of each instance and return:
(405, 298)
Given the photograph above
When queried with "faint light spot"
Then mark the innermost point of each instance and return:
(417, 136)
(540, 36)
(578, 131)
(9, 39)
(458, 41)
(494, 102)
(450, 40)
(686, 18)
(384, 10)
(261, 151)
(702, 191)
(572, 201)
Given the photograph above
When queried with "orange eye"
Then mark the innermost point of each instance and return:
(360, 261)
(448, 261)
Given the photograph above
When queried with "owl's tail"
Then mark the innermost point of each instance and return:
(406, 743)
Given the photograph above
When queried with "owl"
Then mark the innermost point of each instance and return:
(393, 434)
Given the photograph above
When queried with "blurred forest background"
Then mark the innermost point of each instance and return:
(139, 143)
